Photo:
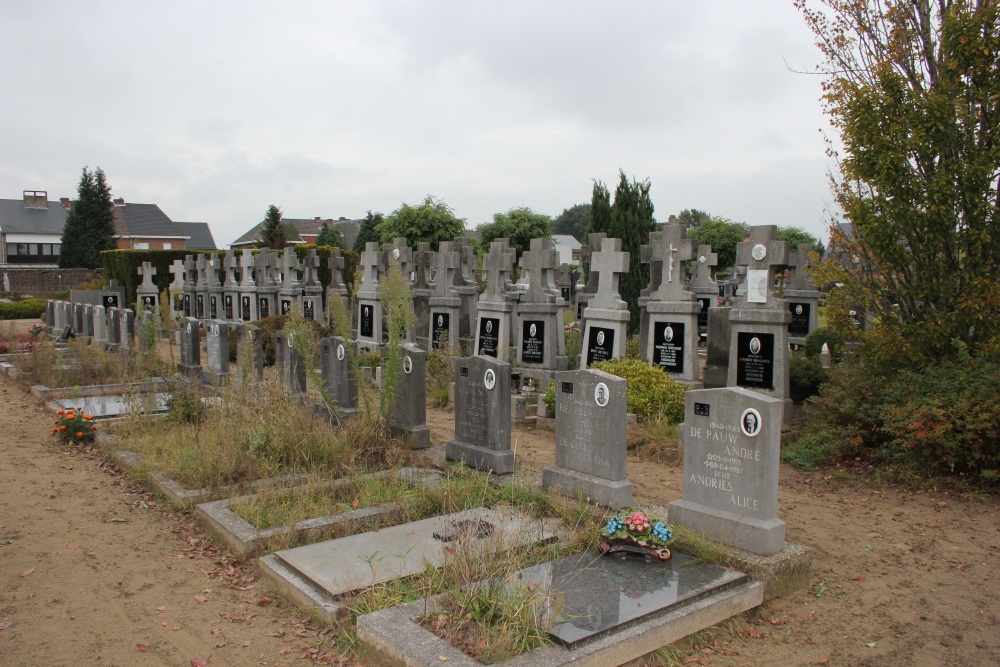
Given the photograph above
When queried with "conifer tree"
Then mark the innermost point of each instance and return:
(632, 221)
(89, 227)
(272, 233)
(368, 232)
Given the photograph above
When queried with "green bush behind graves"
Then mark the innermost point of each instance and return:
(940, 420)
(25, 309)
(806, 374)
(652, 394)
(821, 335)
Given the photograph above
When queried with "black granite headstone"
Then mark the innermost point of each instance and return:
(187, 305)
(533, 342)
(286, 305)
(489, 336)
(755, 360)
(600, 344)
(213, 307)
(440, 328)
(263, 307)
(308, 309)
(799, 326)
(200, 306)
(668, 346)
(245, 308)
(367, 320)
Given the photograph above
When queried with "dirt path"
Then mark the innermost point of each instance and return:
(93, 572)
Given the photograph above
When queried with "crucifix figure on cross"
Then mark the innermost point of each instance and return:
(671, 246)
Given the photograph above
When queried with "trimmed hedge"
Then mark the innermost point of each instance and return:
(123, 265)
(26, 309)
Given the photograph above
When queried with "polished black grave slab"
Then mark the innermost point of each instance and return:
(594, 594)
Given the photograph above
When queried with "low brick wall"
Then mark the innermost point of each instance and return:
(23, 279)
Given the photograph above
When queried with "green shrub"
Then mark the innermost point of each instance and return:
(26, 309)
(573, 345)
(816, 338)
(268, 326)
(549, 398)
(185, 405)
(806, 374)
(652, 394)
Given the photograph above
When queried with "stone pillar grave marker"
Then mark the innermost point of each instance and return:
(338, 374)
(409, 412)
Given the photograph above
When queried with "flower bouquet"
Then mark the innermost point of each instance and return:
(635, 532)
(74, 426)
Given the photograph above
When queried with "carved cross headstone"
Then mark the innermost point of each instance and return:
(147, 271)
(801, 260)
(655, 265)
(469, 263)
(423, 258)
(761, 254)
(703, 268)
(672, 247)
(586, 252)
(399, 251)
(447, 268)
(371, 262)
(538, 263)
(247, 264)
(336, 264)
(310, 268)
(202, 271)
(609, 262)
(498, 264)
(265, 268)
(177, 271)
(189, 272)
(290, 269)
(230, 265)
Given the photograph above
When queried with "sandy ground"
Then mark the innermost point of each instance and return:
(94, 572)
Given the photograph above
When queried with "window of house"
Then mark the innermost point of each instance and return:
(168, 246)
(142, 246)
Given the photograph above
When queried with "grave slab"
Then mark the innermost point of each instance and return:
(112, 407)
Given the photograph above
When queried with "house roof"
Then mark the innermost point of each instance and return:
(16, 218)
(145, 221)
(200, 236)
(297, 228)
(567, 240)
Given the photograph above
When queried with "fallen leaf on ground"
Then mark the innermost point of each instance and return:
(27, 572)
(200, 663)
(822, 661)
(200, 598)
(161, 609)
(264, 602)
(141, 648)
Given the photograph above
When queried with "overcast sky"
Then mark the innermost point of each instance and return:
(214, 110)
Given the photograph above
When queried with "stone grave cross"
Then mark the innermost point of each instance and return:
(202, 271)
(336, 264)
(310, 268)
(703, 269)
(423, 258)
(147, 271)
(290, 269)
(229, 265)
(761, 254)
(609, 262)
(449, 262)
(801, 260)
(266, 266)
(177, 271)
(498, 264)
(586, 252)
(671, 247)
(370, 263)
(189, 271)
(401, 252)
(247, 264)
(538, 263)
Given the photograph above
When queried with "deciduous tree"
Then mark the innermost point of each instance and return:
(520, 225)
(573, 221)
(432, 221)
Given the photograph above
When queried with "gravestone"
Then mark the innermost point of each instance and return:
(146, 294)
(338, 374)
(249, 353)
(423, 287)
(290, 293)
(732, 438)
(467, 289)
(445, 303)
(88, 321)
(190, 364)
(566, 286)
(672, 337)
(248, 289)
(716, 372)
(265, 264)
(290, 365)
(77, 319)
(541, 348)
(175, 291)
(201, 288)
(230, 288)
(482, 415)
(398, 251)
(216, 352)
(655, 277)
(369, 304)
(589, 289)
(100, 325)
(215, 289)
(606, 314)
(337, 289)
(758, 350)
(114, 329)
(801, 296)
(113, 295)
(190, 285)
(312, 290)
(58, 317)
(703, 284)
(409, 411)
(50, 316)
(127, 328)
(591, 434)
(494, 311)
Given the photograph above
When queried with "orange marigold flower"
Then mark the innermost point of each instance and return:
(63, 427)
(55, 421)
(79, 434)
(88, 417)
(61, 412)
(53, 431)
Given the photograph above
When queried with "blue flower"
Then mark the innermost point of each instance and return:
(662, 532)
(613, 525)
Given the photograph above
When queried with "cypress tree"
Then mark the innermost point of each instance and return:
(272, 232)
(632, 221)
(89, 227)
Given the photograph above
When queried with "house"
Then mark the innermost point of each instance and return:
(199, 236)
(301, 230)
(31, 229)
(146, 227)
(568, 248)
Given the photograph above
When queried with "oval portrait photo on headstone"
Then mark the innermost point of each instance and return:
(340, 352)
(440, 321)
(798, 309)
(366, 311)
(395, 255)
(668, 333)
(407, 365)
(601, 394)
(600, 338)
(532, 331)
(490, 379)
(489, 326)
(189, 327)
(750, 422)
(755, 345)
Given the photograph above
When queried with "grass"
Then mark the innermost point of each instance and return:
(83, 364)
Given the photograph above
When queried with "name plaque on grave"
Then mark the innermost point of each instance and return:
(600, 345)
(668, 346)
(489, 336)
(229, 307)
(187, 305)
(533, 343)
(110, 301)
(755, 360)
(367, 320)
(799, 326)
(245, 308)
(440, 328)
(200, 306)
(213, 308)
(706, 303)
(263, 308)
(308, 309)
(149, 302)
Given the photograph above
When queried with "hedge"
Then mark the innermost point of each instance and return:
(26, 309)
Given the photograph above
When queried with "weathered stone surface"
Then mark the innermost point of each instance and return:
(482, 415)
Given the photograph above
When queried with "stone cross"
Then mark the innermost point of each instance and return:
(177, 271)
(498, 264)
(247, 264)
(370, 263)
(265, 268)
(336, 264)
(538, 263)
(671, 248)
(655, 266)
(761, 254)
(214, 264)
(801, 260)
(202, 271)
(229, 266)
(147, 271)
(399, 251)
(703, 269)
(189, 271)
(423, 258)
(469, 264)
(290, 270)
(310, 268)
(586, 252)
(448, 264)
(609, 262)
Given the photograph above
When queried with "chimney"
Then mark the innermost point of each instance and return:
(36, 198)
(120, 201)
(65, 202)
(319, 219)
(342, 218)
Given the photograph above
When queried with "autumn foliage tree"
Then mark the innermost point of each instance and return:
(913, 89)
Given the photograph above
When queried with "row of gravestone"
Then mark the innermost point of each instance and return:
(112, 327)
